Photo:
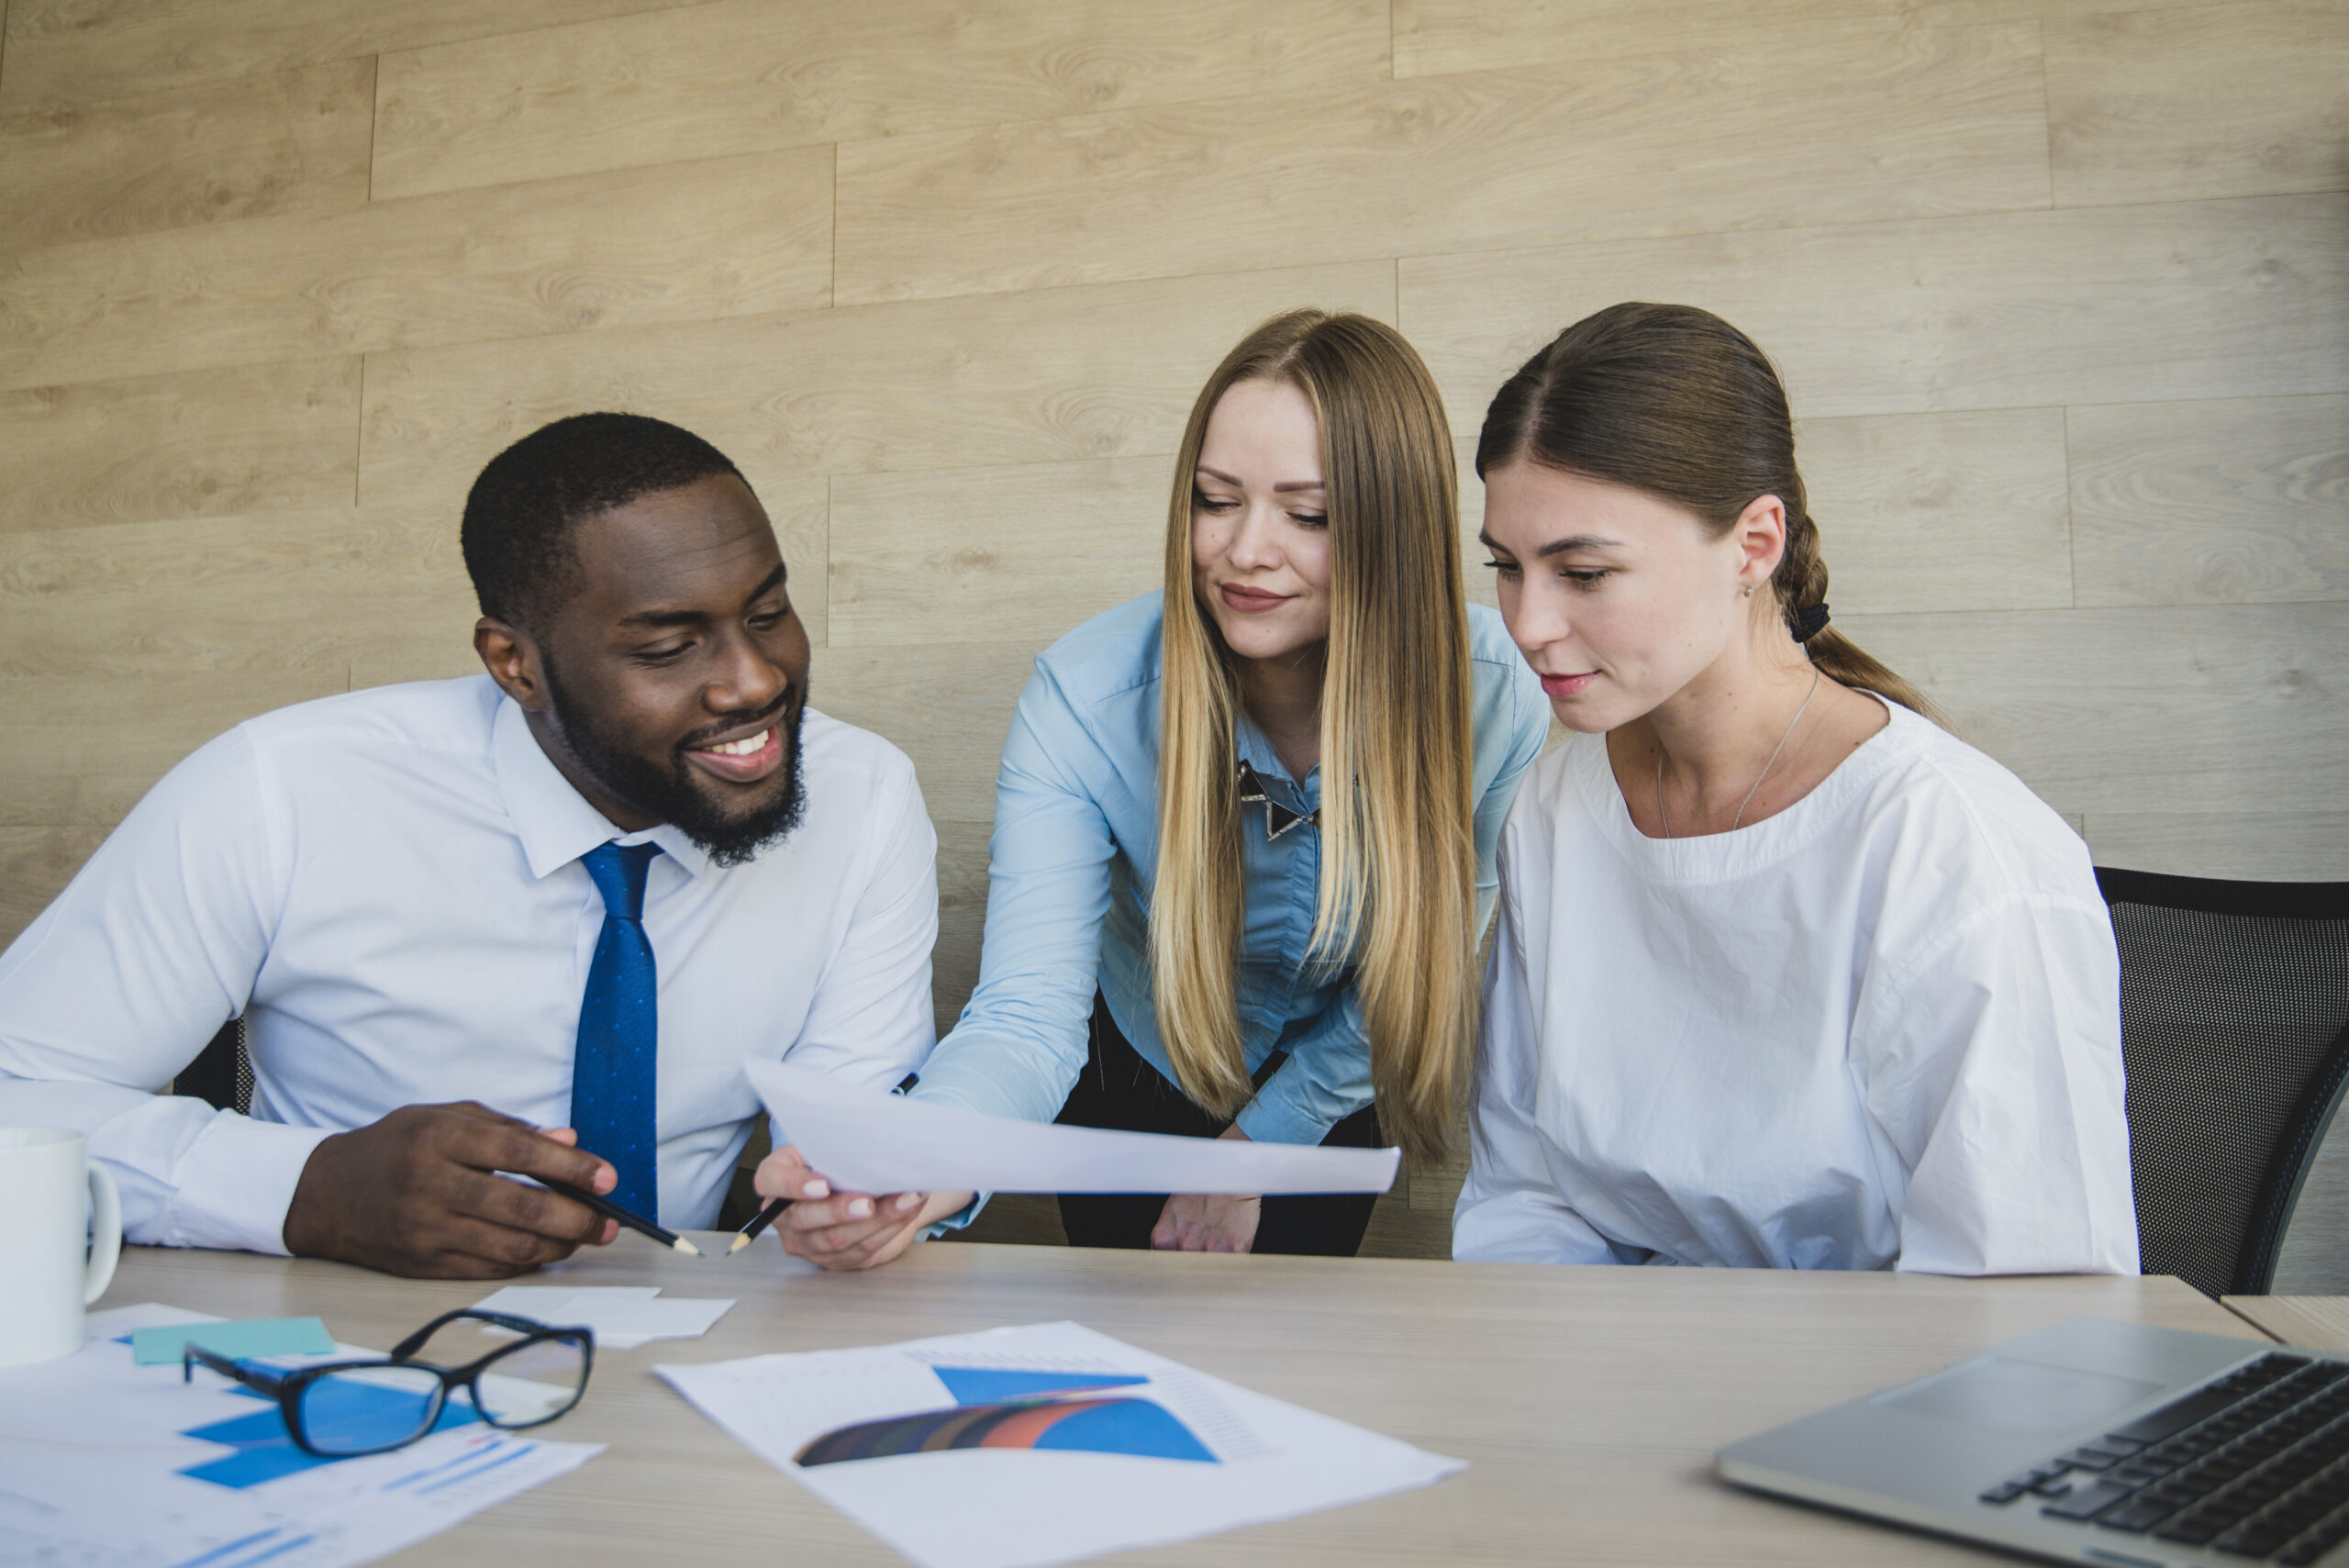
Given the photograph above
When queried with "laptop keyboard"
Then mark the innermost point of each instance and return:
(2255, 1464)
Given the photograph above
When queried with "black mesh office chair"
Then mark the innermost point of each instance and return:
(221, 1075)
(2234, 1019)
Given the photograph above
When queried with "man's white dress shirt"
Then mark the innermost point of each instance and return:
(388, 886)
(1881, 1029)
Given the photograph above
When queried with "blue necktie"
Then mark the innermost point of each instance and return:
(613, 1087)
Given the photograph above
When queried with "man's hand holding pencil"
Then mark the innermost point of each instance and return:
(420, 1192)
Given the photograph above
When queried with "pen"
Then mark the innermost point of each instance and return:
(611, 1210)
(767, 1216)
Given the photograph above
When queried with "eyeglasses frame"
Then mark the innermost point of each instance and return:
(287, 1387)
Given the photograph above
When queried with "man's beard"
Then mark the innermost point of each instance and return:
(671, 793)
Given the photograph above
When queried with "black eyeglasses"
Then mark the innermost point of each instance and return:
(343, 1409)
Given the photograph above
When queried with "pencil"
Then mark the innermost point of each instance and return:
(611, 1210)
(758, 1222)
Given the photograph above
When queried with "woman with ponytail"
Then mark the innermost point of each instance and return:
(1785, 975)
(1244, 827)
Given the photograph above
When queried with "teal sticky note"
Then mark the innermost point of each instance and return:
(238, 1339)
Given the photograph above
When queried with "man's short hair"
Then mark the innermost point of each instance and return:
(521, 513)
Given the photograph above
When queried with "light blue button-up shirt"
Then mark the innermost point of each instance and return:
(1071, 864)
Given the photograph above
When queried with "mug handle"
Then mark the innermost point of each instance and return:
(106, 1233)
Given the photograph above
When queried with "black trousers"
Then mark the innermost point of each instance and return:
(1118, 1089)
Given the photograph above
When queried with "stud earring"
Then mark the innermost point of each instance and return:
(1749, 590)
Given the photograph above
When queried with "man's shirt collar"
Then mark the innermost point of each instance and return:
(553, 820)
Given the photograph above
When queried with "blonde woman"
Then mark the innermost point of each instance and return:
(1787, 975)
(1244, 829)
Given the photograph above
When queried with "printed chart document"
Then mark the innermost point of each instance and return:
(1021, 1447)
(868, 1143)
(106, 1463)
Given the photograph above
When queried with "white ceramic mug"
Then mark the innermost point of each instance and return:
(46, 1274)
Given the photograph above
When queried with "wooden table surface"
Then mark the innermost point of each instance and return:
(1588, 1401)
(2320, 1322)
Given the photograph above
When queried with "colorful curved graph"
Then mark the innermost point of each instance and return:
(1089, 1426)
(1042, 1420)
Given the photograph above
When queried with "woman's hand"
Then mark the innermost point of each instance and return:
(845, 1230)
(1208, 1222)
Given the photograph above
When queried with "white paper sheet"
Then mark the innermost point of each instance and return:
(623, 1316)
(866, 1142)
(1254, 1459)
(100, 1468)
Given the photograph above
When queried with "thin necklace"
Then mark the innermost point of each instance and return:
(1666, 822)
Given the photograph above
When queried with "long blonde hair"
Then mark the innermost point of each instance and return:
(1398, 875)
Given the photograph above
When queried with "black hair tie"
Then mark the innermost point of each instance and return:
(1810, 623)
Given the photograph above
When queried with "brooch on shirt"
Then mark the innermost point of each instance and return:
(1278, 818)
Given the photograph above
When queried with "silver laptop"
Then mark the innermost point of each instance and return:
(2091, 1441)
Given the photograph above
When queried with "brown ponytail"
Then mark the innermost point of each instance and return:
(1674, 401)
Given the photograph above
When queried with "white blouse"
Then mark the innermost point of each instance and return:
(1881, 1029)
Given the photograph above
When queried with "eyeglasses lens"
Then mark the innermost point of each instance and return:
(532, 1380)
(364, 1410)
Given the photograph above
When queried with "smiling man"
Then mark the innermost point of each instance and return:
(521, 924)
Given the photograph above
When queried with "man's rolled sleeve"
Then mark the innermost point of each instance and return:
(235, 1181)
(115, 988)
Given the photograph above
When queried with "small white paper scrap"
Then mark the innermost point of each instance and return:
(1018, 1448)
(623, 1316)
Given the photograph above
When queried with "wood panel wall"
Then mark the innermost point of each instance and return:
(2061, 288)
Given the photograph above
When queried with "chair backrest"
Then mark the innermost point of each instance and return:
(2234, 1019)
(220, 1074)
